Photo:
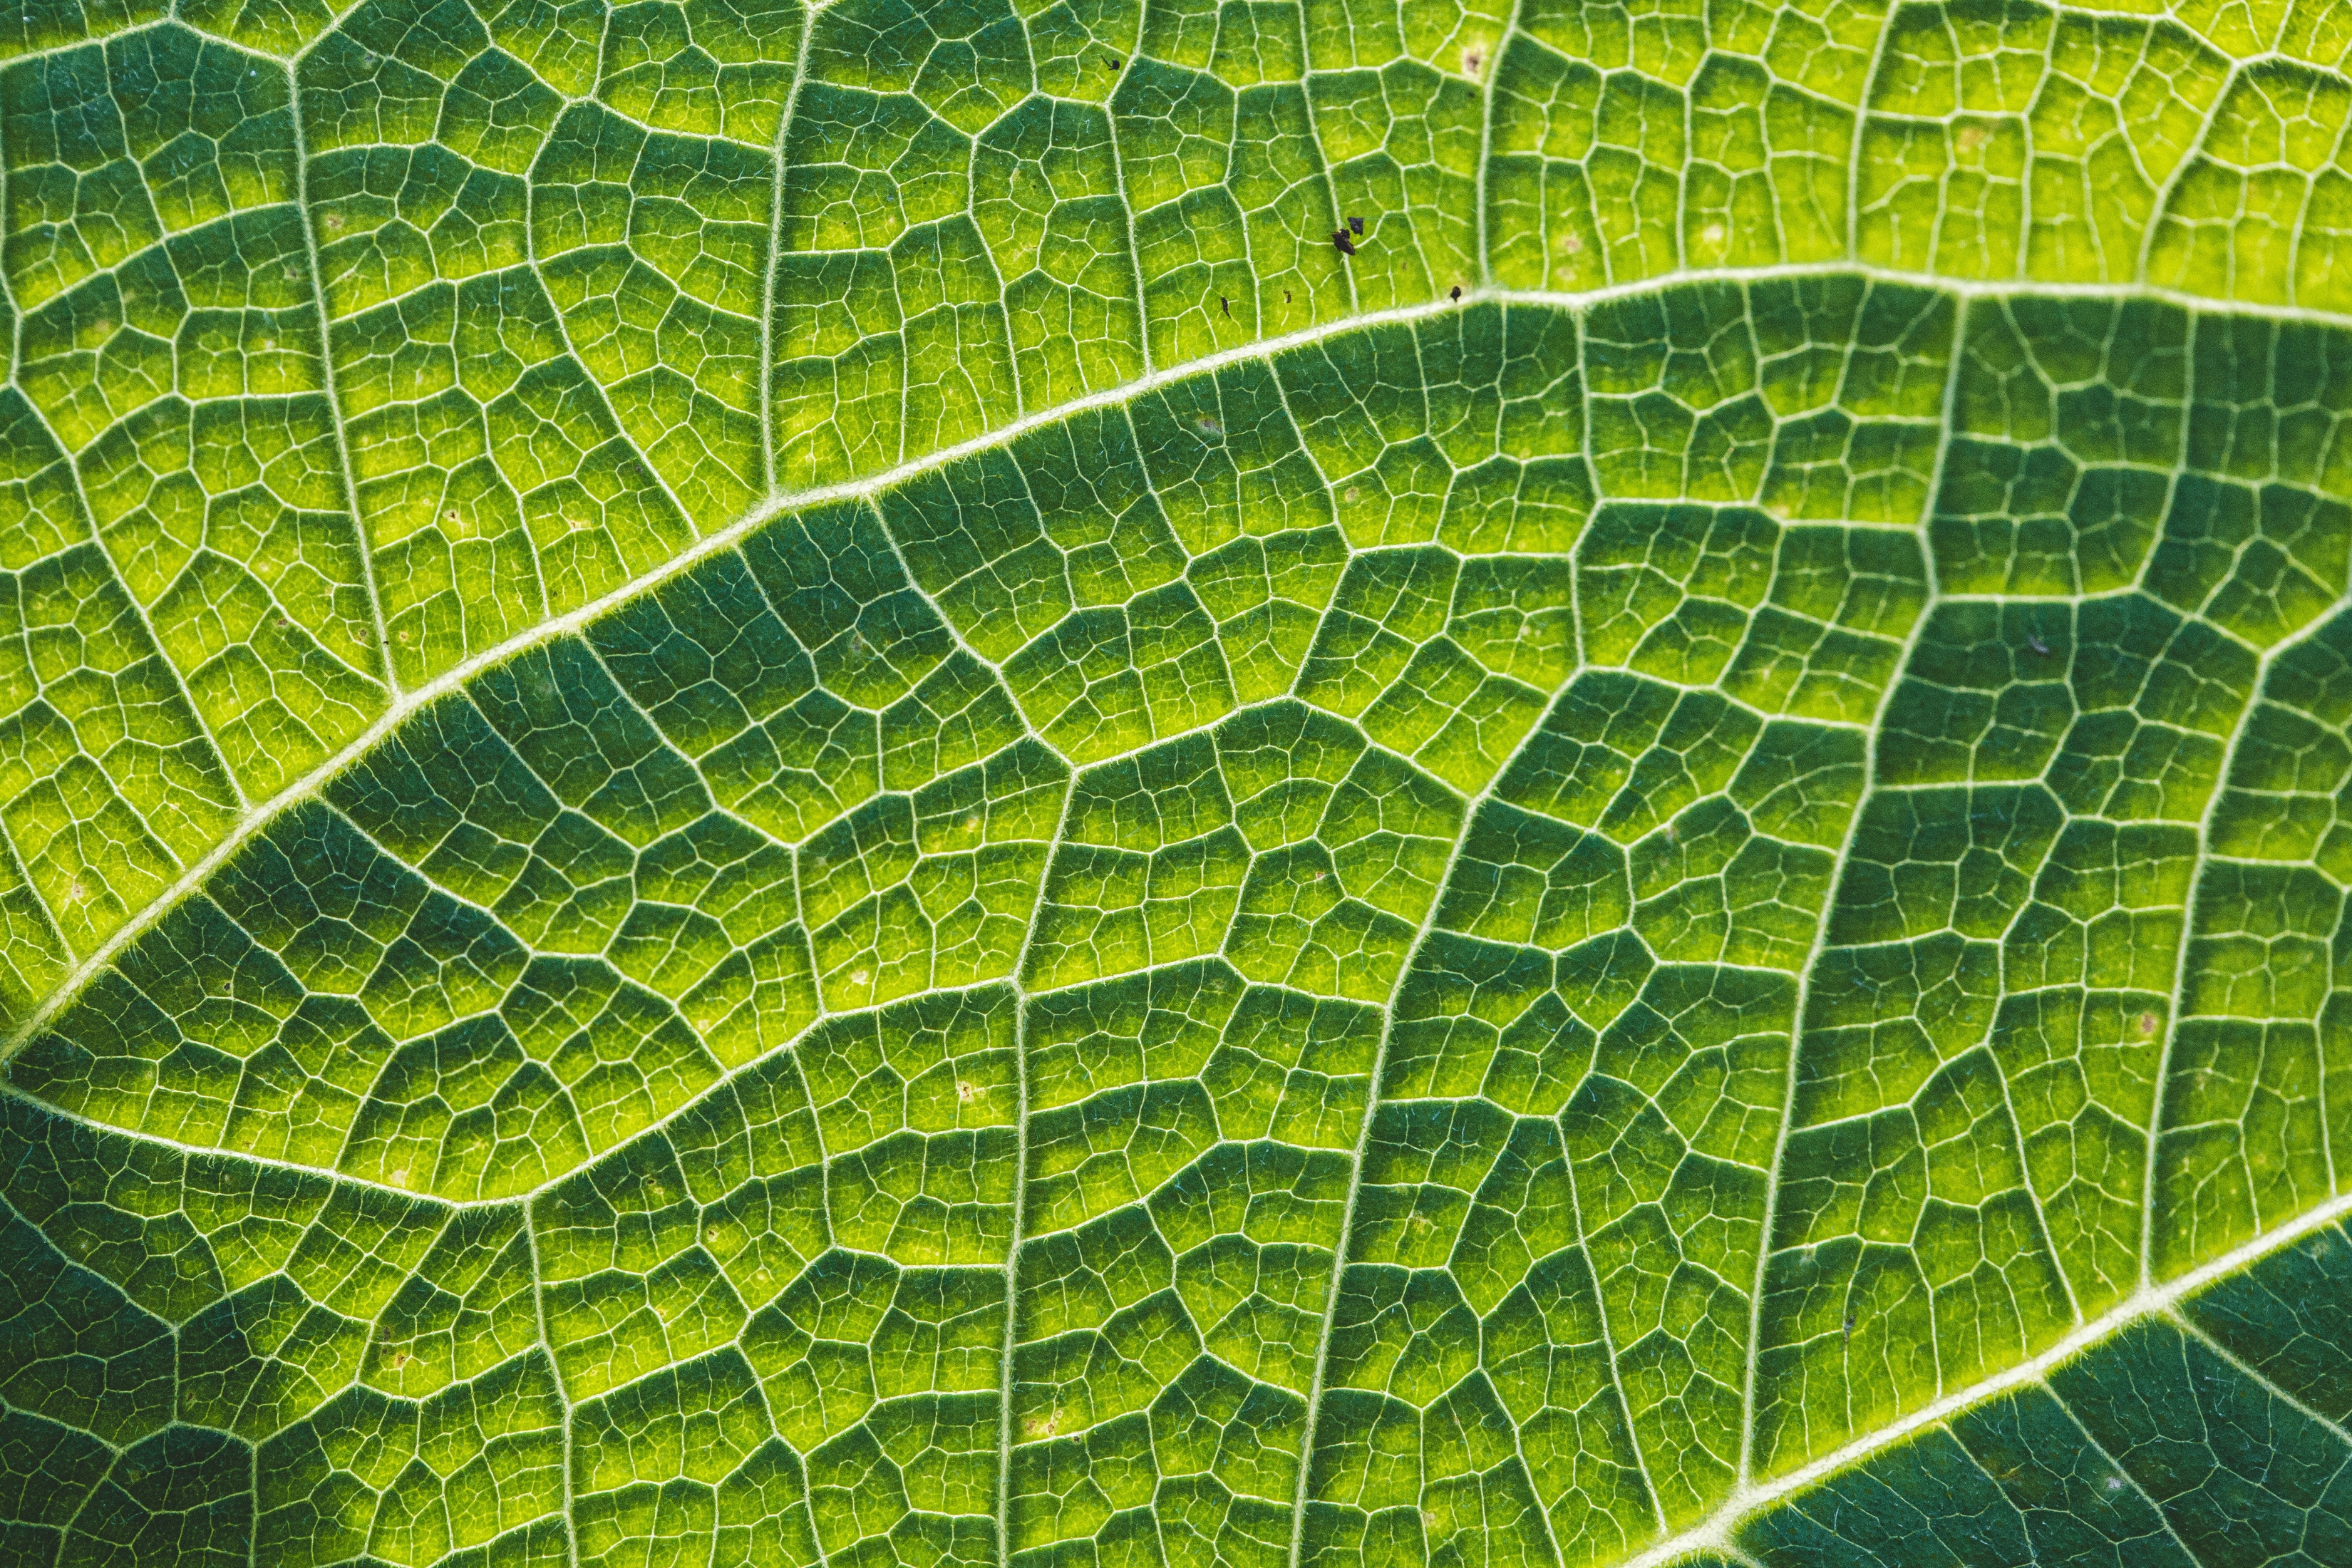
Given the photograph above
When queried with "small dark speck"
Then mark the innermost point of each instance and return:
(1340, 238)
(1286, 296)
(1355, 225)
(1225, 304)
(1117, 64)
(1457, 292)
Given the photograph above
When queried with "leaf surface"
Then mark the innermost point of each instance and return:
(1288, 785)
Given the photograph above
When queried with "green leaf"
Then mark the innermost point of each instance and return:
(783, 785)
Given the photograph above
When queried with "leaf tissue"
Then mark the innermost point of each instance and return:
(1175, 784)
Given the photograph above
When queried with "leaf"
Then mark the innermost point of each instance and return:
(789, 787)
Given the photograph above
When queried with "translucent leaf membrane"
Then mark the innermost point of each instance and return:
(792, 788)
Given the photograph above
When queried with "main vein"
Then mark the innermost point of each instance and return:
(724, 539)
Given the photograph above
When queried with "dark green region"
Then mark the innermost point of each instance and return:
(2213, 1438)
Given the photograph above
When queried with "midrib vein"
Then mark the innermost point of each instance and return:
(1714, 1533)
(455, 678)
(452, 679)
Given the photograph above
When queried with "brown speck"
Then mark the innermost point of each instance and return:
(966, 1091)
(334, 222)
(1354, 492)
(1971, 138)
(1474, 60)
(2147, 1026)
(1571, 244)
